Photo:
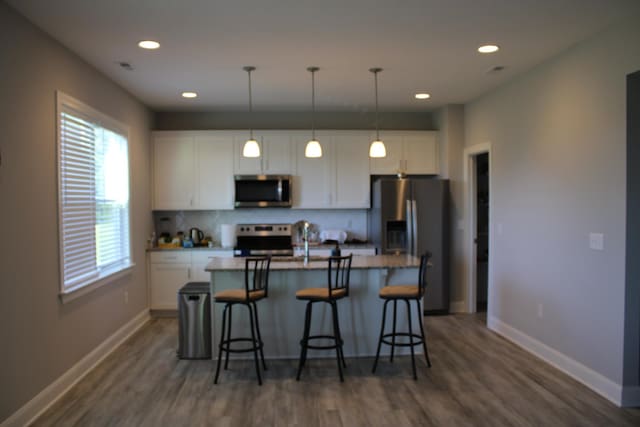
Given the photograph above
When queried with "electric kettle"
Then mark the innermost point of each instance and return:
(196, 235)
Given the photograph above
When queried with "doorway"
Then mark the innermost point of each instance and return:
(482, 231)
(478, 229)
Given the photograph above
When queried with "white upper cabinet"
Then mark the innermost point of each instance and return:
(312, 180)
(410, 152)
(351, 185)
(337, 180)
(275, 154)
(214, 171)
(192, 170)
(173, 172)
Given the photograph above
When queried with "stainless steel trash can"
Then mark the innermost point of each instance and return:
(194, 315)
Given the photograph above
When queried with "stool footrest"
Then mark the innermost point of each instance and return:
(322, 347)
(417, 339)
(226, 345)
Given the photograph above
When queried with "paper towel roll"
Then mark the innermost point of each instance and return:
(228, 235)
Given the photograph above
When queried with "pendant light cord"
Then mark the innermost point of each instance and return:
(313, 105)
(249, 69)
(375, 78)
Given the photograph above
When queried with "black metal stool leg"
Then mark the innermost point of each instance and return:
(304, 341)
(336, 335)
(224, 318)
(255, 313)
(344, 363)
(226, 360)
(255, 347)
(393, 337)
(424, 338)
(413, 358)
(384, 317)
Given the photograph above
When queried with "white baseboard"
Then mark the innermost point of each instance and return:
(631, 396)
(592, 379)
(457, 307)
(28, 413)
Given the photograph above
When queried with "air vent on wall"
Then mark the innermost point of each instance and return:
(496, 69)
(125, 65)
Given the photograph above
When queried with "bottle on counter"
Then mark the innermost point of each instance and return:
(336, 251)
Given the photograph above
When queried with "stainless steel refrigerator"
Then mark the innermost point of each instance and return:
(411, 216)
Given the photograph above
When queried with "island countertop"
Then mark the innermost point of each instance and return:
(320, 263)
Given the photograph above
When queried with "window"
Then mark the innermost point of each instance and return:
(93, 197)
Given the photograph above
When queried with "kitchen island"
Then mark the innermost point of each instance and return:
(282, 316)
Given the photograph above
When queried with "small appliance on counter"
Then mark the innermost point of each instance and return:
(227, 235)
(196, 235)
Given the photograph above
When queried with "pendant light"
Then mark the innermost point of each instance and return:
(313, 148)
(251, 147)
(377, 148)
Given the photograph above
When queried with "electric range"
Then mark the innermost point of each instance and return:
(263, 239)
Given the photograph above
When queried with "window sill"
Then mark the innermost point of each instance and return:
(74, 294)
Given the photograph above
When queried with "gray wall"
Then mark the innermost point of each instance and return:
(558, 135)
(41, 338)
(290, 120)
(450, 121)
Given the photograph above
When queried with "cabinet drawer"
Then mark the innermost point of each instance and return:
(170, 257)
(204, 257)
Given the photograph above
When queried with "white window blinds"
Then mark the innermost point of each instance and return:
(93, 197)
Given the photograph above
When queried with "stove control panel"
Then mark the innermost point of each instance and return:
(263, 230)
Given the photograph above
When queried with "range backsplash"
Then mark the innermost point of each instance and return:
(353, 221)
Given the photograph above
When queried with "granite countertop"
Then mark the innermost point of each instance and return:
(197, 248)
(319, 263)
(342, 246)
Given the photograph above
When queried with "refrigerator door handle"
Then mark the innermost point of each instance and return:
(414, 237)
(409, 227)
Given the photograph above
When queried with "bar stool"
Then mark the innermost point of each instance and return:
(405, 293)
(256, 287)
(339, 270)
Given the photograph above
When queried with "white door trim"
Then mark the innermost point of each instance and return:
(470, 223)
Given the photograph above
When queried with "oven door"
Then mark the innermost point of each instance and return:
(261, 191)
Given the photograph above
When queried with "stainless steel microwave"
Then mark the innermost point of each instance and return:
(263, 191)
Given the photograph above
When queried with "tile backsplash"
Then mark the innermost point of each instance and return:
(353, 221)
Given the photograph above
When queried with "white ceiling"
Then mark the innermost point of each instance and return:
(423, 45)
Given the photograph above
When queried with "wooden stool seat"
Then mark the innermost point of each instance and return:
(320, 294)
(399, 292)
(238, 295)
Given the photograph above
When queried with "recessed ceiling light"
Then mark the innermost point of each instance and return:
(422, 96)
(189, 94)
(488, 48)
(149, 44)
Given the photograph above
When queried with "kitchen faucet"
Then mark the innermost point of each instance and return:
(305, 239)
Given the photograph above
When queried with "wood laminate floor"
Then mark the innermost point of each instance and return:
(477, 379)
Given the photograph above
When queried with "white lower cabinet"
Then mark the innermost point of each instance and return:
(169, 271)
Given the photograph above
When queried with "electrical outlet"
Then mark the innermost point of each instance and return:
(596, 241)
(500, 228)
(349, 224)
(540, 311)
(126, 297)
